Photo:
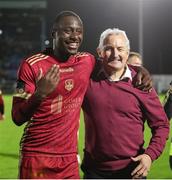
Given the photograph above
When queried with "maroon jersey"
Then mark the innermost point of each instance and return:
(54, 122)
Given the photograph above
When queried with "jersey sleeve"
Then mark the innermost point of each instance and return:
(158, 123)
(26, 75)
(24, 102)
(91, 57)
(93, 61)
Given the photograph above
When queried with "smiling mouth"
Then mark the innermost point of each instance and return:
(73, 45)
(115, 60)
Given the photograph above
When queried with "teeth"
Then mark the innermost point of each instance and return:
(73, 45)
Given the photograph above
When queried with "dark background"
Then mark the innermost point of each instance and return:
(148, 24)
(25, 27)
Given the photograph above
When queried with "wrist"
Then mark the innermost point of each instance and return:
(149, 157)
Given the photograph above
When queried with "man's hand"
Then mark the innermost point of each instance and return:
(143, 167)
(47, 84)
(143, 79)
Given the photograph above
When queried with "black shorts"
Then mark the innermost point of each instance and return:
(125, 173)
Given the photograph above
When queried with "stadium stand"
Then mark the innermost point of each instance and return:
(22, 33)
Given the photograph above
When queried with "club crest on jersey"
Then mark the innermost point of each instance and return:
(69, 84)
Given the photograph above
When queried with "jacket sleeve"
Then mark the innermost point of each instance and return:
(168, 107)
(24, 102)
(158, 123)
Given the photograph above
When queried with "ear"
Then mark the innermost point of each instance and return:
(128, 54)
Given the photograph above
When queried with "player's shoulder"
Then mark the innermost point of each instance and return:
(84, 54)
(85, 57)
(31, 60)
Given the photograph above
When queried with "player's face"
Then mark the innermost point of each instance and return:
(69, 36)
(115, 52)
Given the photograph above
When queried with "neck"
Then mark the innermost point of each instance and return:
(61, 56)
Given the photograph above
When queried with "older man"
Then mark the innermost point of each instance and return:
(115, 113)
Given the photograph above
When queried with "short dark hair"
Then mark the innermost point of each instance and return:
(63, 14)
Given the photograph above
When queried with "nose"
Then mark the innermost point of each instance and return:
(115, 53)
(74, 35)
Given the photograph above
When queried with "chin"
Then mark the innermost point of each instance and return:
(116, 66)
(72, 52)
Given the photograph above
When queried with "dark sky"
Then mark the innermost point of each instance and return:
(153, 16)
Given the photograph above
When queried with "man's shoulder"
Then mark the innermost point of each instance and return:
(85, 58)
(83, 54)
(35, 58)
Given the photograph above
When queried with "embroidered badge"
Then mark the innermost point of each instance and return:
(69, 84)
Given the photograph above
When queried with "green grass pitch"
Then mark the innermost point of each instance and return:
(10, 136)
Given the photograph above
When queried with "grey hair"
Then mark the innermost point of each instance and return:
(110, 31)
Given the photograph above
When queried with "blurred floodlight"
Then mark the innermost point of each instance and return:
(19, 29)
(25, 14)
(47, 42)
(1, 31)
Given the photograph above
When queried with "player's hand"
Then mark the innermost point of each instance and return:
(47, 84)
(143, 79)
(143, 167)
